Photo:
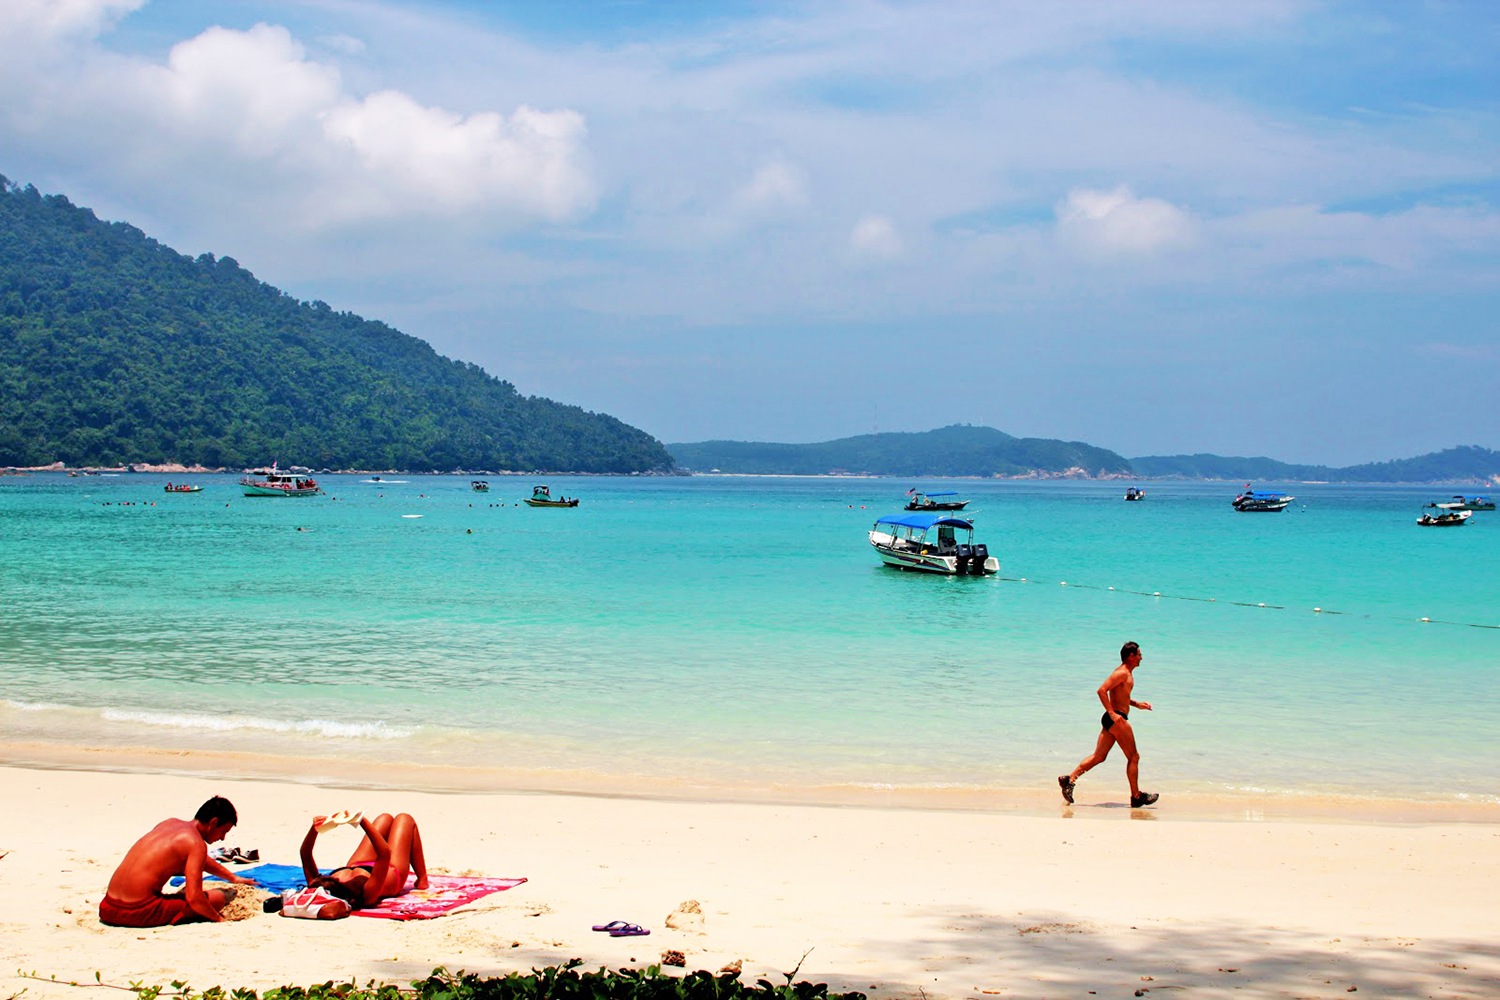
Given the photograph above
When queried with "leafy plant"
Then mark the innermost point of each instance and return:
(560, 982)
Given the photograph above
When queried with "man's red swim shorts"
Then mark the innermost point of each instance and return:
(157, 911)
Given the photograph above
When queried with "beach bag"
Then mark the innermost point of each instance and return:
(306, 902)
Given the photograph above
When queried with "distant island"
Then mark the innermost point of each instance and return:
(959, 450)
(116, 349)
(966, 451)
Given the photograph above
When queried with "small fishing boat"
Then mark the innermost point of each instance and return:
(934, 501)
(479, 486)
(1131, 493)
(182, 488)
(1250, 501)
(542, 497)
(1444, 518)
(902, 541)
(276, 483)
(1468, 503)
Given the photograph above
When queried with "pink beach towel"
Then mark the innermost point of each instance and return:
(443, 893)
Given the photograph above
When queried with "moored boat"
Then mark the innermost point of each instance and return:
(182, 488)
(1251, 501)
(1131, 493)
(479, 486)
(276, 483)
(934, 501)
(1444, 518)
(1468, 503)
(902, 541)
(541, 496)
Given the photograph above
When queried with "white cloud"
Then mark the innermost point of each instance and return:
(253, 85)
(528, 160)
(247, 121)
(1117, 222)
(775, 185)
(49, 20)
(874, 237)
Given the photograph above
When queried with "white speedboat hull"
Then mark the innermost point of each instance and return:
(924, 562)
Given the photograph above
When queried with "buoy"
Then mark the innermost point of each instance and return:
(1062, 583)
(1111, 588)
(1261, 604)
(1318, 609)
(1426, 619)
(1156, 593)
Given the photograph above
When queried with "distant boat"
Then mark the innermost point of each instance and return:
(1468, 503)
(1131, 493)
(541, 496)
(901, 540)
(1445, 519)
(182, 488)
(280, 484)
(1252, 502)
(935, 501)
(479, 486)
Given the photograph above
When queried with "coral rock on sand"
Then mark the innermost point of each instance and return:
(673, 957)
(736, 967)
(687, 917)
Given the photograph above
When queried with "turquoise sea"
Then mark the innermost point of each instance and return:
(730, 635)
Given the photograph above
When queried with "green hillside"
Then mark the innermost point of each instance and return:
(115, 348)
(959, 450)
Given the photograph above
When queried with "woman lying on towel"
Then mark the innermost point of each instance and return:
(391, 850)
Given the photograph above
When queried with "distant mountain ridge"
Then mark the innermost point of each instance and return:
(1468, 464)
(983, 452)
(957, 450)
(115, 348)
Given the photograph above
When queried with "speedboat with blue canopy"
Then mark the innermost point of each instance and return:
(932, 543)
(1251, 501)
(935, 501)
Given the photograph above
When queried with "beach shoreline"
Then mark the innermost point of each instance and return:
(1101, 797)
(890, 902)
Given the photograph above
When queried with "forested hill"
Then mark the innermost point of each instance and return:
(1470, 464)
(115, 348)
(959, 450)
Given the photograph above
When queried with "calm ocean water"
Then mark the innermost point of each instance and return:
(740, 631)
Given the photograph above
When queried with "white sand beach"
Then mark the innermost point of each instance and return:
(891, 902)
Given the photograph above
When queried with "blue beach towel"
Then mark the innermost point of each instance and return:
(274, 878)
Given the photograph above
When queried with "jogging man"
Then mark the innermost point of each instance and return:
(1114, 694)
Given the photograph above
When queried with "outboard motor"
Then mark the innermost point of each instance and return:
(981, 555)
(965, 552)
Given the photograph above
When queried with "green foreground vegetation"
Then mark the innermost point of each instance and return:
(552, 983)
(116, 349)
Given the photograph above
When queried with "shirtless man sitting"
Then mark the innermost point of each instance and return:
(173, 847)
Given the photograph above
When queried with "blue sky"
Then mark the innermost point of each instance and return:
(1267, 228)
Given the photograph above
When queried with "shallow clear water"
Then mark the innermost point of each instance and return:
(740, 630)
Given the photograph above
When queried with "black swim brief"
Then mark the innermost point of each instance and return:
(1107, 722)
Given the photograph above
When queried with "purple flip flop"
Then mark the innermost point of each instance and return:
(613, 925)
(629, 930)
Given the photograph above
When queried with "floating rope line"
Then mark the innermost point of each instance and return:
(1249, 604)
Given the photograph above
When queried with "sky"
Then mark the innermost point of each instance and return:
(1246, 228)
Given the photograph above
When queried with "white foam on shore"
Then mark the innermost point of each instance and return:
(31, 706)
(229, 723)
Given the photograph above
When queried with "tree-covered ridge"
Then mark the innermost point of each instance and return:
(1469, 464)
(115, 348)
(959, 450)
